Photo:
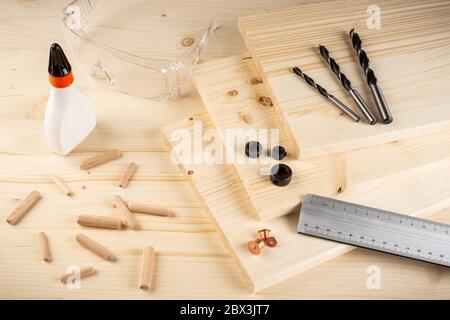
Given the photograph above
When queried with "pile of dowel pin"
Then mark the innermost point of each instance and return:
(127, 219)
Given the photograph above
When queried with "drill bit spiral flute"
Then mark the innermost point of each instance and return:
(382, 106)
(341, 106)
(345, 82)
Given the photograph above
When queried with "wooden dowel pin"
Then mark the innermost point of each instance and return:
(128, 218)
(23, 207)
(150, 209)
(147, 269)
(99, 159)
(61, 185)
(99, 222)
(45, 247)
(127, 174)
(84, 272)
(95, 247)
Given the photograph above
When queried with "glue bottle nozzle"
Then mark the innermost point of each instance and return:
(58, 65)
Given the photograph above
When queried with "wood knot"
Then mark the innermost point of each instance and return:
(265, 101)
(191, 118)
(244, 117)
(190, 172)
(187, 42)
(437, 275)
(256, 80)
(233, 93)
(339, 190)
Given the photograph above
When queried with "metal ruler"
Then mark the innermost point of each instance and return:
(375, 229)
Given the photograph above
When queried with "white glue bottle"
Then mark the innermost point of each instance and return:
(70, 115)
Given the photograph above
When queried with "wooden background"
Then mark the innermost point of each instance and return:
(192, 260)
(412, 33)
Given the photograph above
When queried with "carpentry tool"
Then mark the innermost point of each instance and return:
(253, 149)
(281, 175)
(264, 239)
(375, 229)
(278, 153)
(268, 240)
(341, 106)
(345, 82)
(372, 81)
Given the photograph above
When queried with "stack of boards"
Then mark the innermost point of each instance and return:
(402, 167)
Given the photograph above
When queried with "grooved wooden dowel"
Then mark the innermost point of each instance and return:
(45, 247)
(95, 247)
(99, 222)
(147, 269)
(128, 217)
(150, 209)
(84, 272)
(127, 174)
(23, 207)
(61, 185)
(99, 159)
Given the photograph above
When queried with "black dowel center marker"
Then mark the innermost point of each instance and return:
(253, 149)
(278, 153)
(280, 175)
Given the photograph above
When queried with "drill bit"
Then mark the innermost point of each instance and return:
(362, 105)
(325, 94)
(382, 105)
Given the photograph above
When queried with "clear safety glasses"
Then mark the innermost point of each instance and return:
(144, 48)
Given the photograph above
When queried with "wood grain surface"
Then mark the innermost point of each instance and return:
(232, 210)
(193, 262)
(408, 51)
(330, 174)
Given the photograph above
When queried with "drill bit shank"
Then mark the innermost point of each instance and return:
(372, 81)
(341, 106)
(345, 82)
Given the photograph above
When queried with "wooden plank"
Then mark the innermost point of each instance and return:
(36, 169)
(177, 266)
(230, 207)
(214, 277)
(200, 269)
(409, 54)
(330, 174)
(94, 197)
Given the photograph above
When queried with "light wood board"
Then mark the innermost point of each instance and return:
(194, 263)
(409, 53)
(230, 207)
(331, 174)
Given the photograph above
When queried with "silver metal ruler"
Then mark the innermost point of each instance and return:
(375, 229)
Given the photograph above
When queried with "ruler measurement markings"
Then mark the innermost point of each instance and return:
(421, 234)
(375, 229)
(367, 243)
(379, 240)
(437, 226)
(406, 221)
(381, 243)
(383, 231)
